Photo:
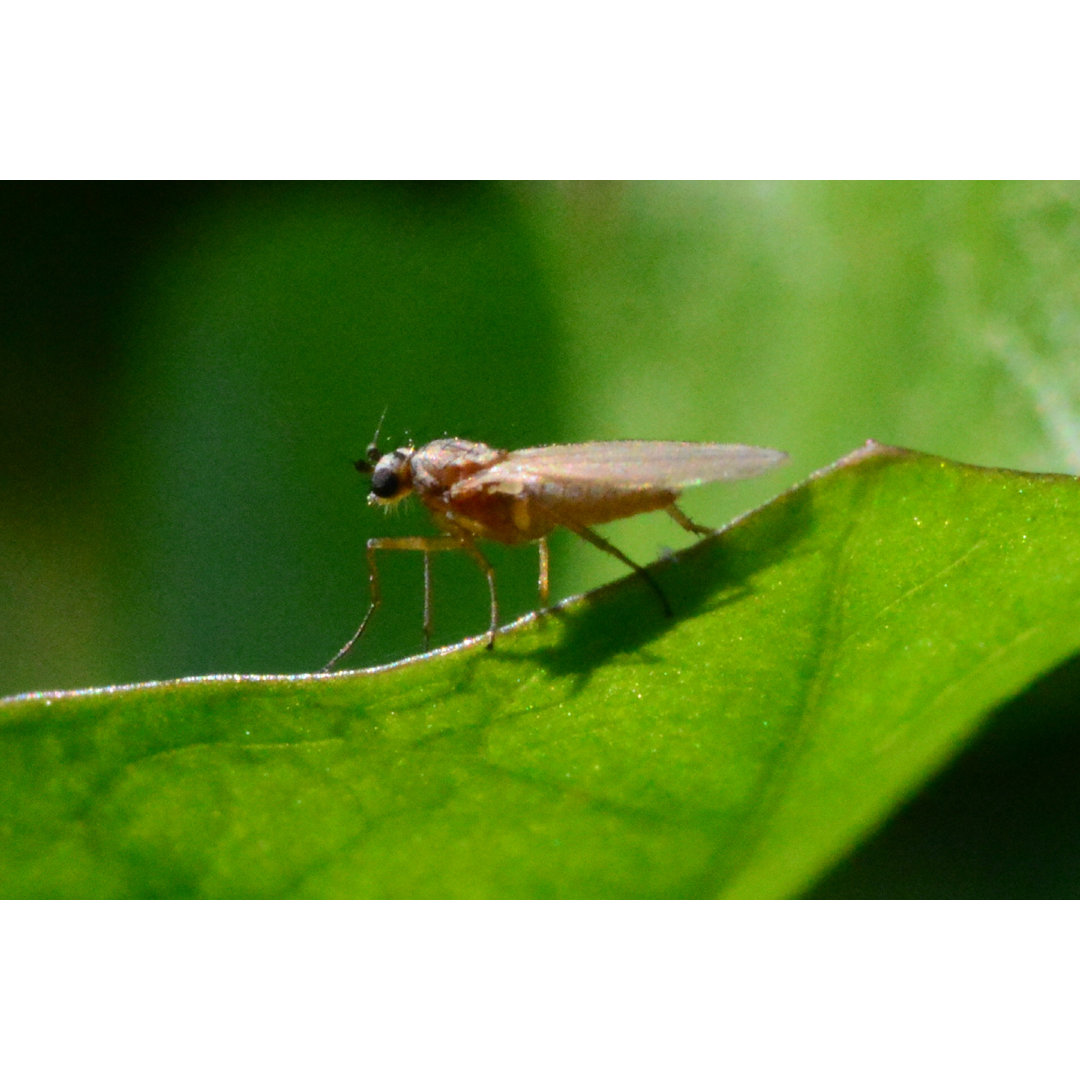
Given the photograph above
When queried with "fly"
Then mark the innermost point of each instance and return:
(476, 492)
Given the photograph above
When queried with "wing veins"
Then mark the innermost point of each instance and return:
(625, 466)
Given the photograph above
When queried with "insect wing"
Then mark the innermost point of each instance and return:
(630, 465)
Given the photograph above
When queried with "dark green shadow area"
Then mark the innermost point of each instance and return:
(1000, 822)
(715, 572)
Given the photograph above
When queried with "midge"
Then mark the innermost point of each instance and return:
(475, 492)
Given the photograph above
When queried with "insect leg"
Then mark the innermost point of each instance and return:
(686, 523)
(598, 541)
(489, 572)
(544, 562)
(427, 599)
(426, 544)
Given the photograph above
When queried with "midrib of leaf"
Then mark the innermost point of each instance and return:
(821, 665)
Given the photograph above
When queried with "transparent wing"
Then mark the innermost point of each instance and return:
(631, 465)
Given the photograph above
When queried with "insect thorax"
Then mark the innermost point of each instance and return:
(439, 465)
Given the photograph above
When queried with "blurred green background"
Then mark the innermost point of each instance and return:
(190, 369)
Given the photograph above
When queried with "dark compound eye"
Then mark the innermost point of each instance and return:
(385, 482)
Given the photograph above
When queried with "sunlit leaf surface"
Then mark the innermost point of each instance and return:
(828, 653)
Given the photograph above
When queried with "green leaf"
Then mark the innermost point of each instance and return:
(830, 651)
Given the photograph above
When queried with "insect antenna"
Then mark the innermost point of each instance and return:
(371, 456)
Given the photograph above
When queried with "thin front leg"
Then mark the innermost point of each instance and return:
(426, 544)
(427, 599)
